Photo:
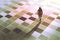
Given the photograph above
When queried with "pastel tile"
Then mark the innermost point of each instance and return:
(4, 19)
(52, 15)
(3, 14)
(12, 13)
(53, 27)
(29, 21)
(19, 21)
(26, 16)
(35, 16)
(42, 37)
(45, 23)
(51, 31)
(55, 24)
(35, 34)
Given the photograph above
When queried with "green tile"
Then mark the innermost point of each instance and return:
(53, 37)
(25, 24)
(39, 30)
(13, 18)
(7, 23)
(22, 27)
(15, 24)
(5, 30)
(12, 26)
(1, 27)
(42, 37)
(4, 19)
(1, 21)
(58, 29)
(30, 38)
(27, 30)
(57, 33)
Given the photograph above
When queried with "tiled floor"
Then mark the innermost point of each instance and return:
(11, 17)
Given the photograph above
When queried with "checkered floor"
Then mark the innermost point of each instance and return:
(14, 25)
(25, 21)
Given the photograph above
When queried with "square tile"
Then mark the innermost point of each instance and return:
(1, 27)
(25, 24)
(42, 37)
(12, 13)
(19, 21)
(13, 7)
(29, 21)
(1, 21)
(47, 34)
(3, 14)
(39, 30)
(12, 26)
(6, 23)
(45, 23)
(17, 30)
(55, 24)
(35, 16)
(29, 13)
(50, 18)
(26, 15)
(36, 34)
(57, 20)
(32, 18)
(6, 30)
(6, 11)
(53, 15)
(19, 9)
(50, 30)
(8, 16)
(4, 19)
(58, 29)
(22, 18)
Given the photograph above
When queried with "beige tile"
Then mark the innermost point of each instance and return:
(50, 18)
(48, 21)
(45, 23)
(42, 27)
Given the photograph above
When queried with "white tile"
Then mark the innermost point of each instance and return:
(19, 9)
(55, 24)
(57, 20)
(29, 21)
(36, 34)
(26, 16)
(12, 14)
(19, 21)
(50, 30)
(2, 13)
(35, 16)
(52, 15)
(47, 34)
(2, 5)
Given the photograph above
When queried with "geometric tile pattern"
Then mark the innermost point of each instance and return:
(27, 24)
(12, 20)
(14, 25)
